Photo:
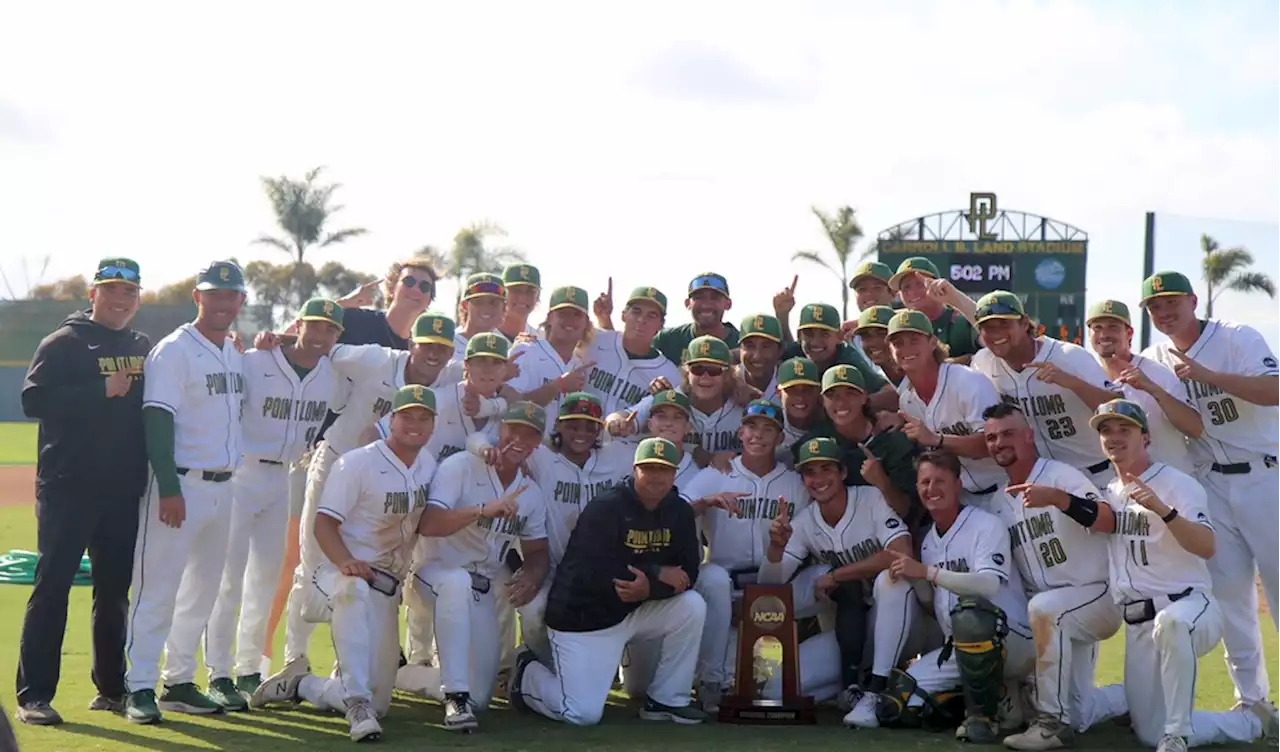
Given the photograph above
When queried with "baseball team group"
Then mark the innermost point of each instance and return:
(963, 508)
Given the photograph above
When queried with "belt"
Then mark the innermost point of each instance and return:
(1141, 612)
(1241, 468)
(984, 492)
(271, 462)
(1095, 469)
(209, 475)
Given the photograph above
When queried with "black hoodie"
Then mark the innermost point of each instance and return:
(90, 444)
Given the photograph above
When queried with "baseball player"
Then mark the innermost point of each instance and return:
(1161, 537)
(760, 352)
(365, 527)
(911, 282)
(626, 363)
(872, 331)
(942, 402)
(670, 417)
(734, 510)
(523, 284)
(627, 575)
(852, 533)
(1230, 374)
(1064, 569)
(1153, 385)
(1055, 383)
(192, 402)
(483, 306)
(287, 393)
(977, 599)
(463, 407)
(800, 387)
(821, 342)
(870, 285)
(475, 515)
(551, 366)
(707, 302)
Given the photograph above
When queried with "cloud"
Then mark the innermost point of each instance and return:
(16, 125)
(700, 73)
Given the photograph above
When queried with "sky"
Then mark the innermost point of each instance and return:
(650, 142)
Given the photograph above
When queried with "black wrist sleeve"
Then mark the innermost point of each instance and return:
(1084, 511)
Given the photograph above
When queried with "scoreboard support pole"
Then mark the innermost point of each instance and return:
(1148, 268)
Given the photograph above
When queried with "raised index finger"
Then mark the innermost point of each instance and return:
(865, 451)
(794, 281)
(1017, 488)
(784, 511)
(609, 291)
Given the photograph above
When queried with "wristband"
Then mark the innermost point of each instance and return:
(560, 387)
(938, 446)
(1083, 511)
(1170, 517)
(931, 575)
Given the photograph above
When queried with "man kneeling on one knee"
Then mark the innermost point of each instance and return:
(627, 574)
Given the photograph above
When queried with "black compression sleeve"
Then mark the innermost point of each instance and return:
(1084, 511)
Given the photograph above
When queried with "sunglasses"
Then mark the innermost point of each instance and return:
(712, 282)
(424, 285)
(997, 309)
(584, 408)
(486, 288)
(699, 369)
(763, 411)
(117, 272)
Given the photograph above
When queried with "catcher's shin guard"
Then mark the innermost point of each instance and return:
(978, 629)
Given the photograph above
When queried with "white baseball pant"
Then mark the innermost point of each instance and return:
(533, 625)
(932, 678)
(173, 592)
(506, 623)
(586, 662)
(1160, 676)
(297, 631)
(1067, 624)
(1245, 509)
(255, 551)
(419, 621)
(366, 641)
(466, 626)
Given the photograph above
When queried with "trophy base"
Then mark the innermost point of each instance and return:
(798, 711)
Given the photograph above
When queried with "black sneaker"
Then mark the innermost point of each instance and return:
(109, 704)
(38, 713)
(514, 695)
(688, 715)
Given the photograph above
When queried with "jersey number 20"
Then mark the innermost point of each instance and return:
(1052, 552)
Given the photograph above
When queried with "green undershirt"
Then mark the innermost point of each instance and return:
(157, 426)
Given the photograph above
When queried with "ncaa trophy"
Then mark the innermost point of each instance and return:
(767, 611)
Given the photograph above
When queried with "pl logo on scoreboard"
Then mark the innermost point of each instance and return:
(982, 207)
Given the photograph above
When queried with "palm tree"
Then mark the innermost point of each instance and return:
(302, 207)
(1226, 269)
(469, 254)
(844, 232)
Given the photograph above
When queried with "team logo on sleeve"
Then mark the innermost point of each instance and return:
(1269, 362)
(998, 559)
(892, 523)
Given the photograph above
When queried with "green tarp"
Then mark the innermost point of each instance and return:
(19, 568)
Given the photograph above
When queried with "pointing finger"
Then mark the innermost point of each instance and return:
(794, 281)
(586, 366)
(865, 451)
(784, 510)
(635, 571)
(1036, 364)
(1017, 488)
(513, 357)
(609, 291)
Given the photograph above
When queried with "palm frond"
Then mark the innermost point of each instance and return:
(275, 242)
(814, 258)
(1221, 264)
(1249, 282)
(342, 236)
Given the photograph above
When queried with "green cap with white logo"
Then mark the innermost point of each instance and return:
(657, 451)
(821, 449)
(871, 270)
(1164, 284)
(798, 372)
(819, 316)
(488, 345)
(1120, 409)
(322, 309)
(914, 265)
(413, 395)
(761, 325)
(842, 375)
(1108, 309)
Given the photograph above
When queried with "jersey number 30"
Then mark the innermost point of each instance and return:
(1222, 411)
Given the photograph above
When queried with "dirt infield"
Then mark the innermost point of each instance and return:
(17, 485)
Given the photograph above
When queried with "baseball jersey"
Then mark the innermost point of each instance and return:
(1235, 430)
(956, 410)
(620, 379)
(376, 373)
(1059, 418)
(379, 502)
(716, 431)
(866, 527)
(453, 426)
(738, 541)
(540, 364)
(202, 385)
(1168, 444)
(567, 488)
(464, 481)
(1051, 549)
(1146, 560)
(282, 412)
(975, 542)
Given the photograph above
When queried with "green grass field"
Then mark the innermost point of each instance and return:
(17, 443)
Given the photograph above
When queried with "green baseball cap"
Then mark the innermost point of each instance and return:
(1121, 409)
(413, 395)
(999, 304)
(117, 270)
(526, 414)
(569, 297)
(487, 345)
(761, 325)
(875, 317)
(763, 408)
(671, 398)
(581, 406)
(910, 321)
(650, 294)
(707, 349)
(220, 275)
(798, 372)
(433, 329)
(521, 274)
(871, 270)
(913, 265)
(819, 316)
(322, 309)
(482, 284)
(842, 375)
(1164, 284)
(709, 281)
(657, 451)
(821, 449)
(1108, 309)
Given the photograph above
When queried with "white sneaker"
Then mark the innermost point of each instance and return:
(282, 687)
(1046, 732)
(1171, 743)
(1266, 713)
(364, 726)
(458, 715)
(863, 714)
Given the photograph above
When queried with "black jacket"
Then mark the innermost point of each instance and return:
(89, 444)
(614, 532)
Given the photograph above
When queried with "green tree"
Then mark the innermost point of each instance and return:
(71, 288)
(1227, 269)
(843, 232)
(177, 293)
(302, 208)
(471, 254)
(279, 290)
(334, 279)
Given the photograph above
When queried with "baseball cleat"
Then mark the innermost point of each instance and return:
(685, 716)
(249, 683)
(1266, 713)
(187, 698)
(364, 725)
(978, 730)
(1171, 743)
(458, 714)
(282, 687)
(109, 704)
(514, 694)
(140, 707)
(38, 714)
(1046, 732)
(863, 712)
(223, 692)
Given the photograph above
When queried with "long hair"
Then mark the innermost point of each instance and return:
(396, 271)
(728, 389)
(588, 334)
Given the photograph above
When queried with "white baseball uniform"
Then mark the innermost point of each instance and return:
(1064, 569)
(378, 501)
(865, 528)
(459, 573)
(716, 431)
(1239, 449)
(1160, 654)
(540, 364)
(956, 410)
(619, 379)
(453, 426)
(1168, 444)
(283, 412)
(202, 385)
(1059, 417)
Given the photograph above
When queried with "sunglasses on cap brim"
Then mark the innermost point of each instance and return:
(486, 288)
(762, 411)
(998, 310)
(423, 285)
(582, 411)
(116, 274)
(709, 283)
